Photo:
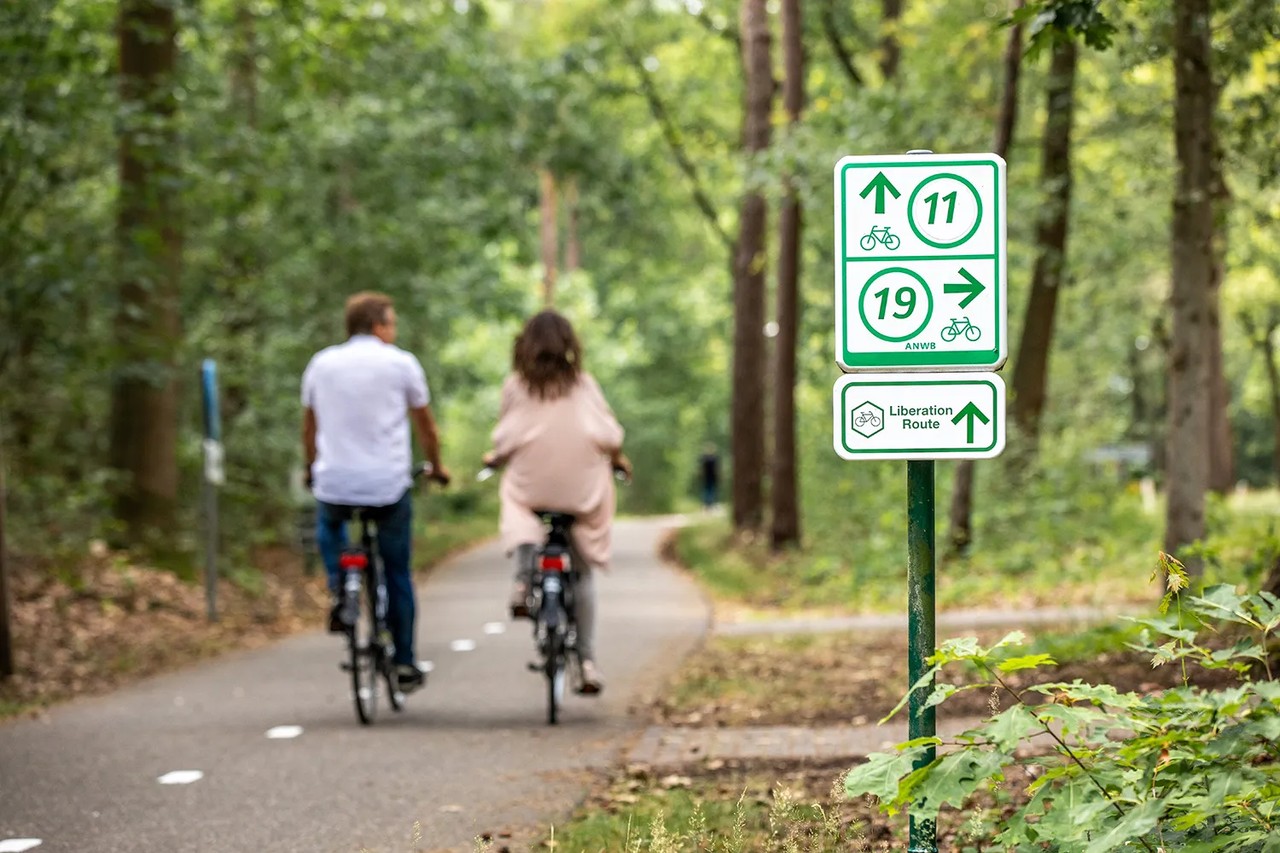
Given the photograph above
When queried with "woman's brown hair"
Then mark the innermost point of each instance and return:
(547, 355)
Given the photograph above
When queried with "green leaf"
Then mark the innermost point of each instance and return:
(953, 778)
(1137, 822)
(1025, 662)
(880, 776)
(1011, 727)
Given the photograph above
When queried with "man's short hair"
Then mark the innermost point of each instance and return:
(366, 310)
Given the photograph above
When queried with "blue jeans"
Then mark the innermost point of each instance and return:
(395, 538)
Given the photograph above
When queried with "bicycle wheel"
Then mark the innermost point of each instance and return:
(867, 242)
(363, 642)
(973, 333)
(949, 333)
(892, 242)
(555, 671)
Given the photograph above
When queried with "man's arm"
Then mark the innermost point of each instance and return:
(424, 424)
(308, 441)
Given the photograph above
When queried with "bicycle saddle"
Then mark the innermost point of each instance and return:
(563, 520)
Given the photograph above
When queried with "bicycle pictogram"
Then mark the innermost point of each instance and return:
(959, 326)
(879, 234)
(867, 418)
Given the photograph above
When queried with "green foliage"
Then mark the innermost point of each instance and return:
(1183, 769)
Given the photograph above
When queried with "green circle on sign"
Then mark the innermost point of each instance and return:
(911, 220)
(862, 305)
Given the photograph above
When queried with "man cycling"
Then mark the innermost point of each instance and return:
(359, 398)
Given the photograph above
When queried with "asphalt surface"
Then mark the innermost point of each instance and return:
(470, 754)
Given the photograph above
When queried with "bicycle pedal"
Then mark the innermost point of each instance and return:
(534, 666)
(345, 665)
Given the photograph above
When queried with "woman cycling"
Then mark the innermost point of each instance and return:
(559, 443)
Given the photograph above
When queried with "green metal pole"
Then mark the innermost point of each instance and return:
(921, 639)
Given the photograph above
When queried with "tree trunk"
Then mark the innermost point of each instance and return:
(1273, 382)
(784, 491)
(144, 394)
(1222, 474)
(749, 259)
(1031, 369)
(1192, 279)
(890, 46)
(961, 514)
(572, 241)
(547, 232)
(6, 633)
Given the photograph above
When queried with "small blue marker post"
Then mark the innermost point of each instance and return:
(213, 478)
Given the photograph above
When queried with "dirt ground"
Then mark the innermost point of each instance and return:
(112, 622)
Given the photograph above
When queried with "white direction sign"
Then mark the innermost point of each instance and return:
(920, 262)
(919, 416)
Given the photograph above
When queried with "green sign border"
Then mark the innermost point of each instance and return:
(906, 381)
(988, 357)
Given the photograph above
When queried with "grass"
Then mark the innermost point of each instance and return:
(1096, 547)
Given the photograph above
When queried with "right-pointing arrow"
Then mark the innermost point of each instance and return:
(971, 412)
(970, 286)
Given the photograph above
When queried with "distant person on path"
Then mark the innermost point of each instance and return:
(359, 398)
(559, 442)
(709, 471)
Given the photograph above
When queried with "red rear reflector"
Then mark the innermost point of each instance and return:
(553, 564)
(353, 561)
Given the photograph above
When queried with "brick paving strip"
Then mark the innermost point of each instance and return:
(678, 747)
(671, 748)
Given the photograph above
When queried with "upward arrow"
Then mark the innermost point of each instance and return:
(971, 412)
(971, 287)
(880, 184)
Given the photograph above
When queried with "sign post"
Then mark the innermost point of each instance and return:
(921, 309)
(214, 476)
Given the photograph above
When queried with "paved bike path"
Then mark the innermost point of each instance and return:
(472, 752)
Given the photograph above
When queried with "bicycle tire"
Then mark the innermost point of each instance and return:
(362, 641)
(977, 333)
(867, 242)
(555, 672)
(952, 336)
(892, 242)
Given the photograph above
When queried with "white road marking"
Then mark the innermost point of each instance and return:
(494, 627)
(180, 777)
(18, 845)
(284, 732)
(463, 645)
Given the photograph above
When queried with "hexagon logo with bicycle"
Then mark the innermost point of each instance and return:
(867, 419)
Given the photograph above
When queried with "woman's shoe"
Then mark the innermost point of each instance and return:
(592, 681)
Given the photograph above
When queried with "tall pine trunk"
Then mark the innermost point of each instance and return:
(1222, 473)
(144, 404)
(960, 530)
(784, 491)
(1187, 470)
(548, 234)
(1031, 369)
(749, 363)
(890, 45)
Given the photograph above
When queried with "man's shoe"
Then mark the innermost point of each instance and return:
(336, 625)
(592, 681)
(409, 677)
(520, 600)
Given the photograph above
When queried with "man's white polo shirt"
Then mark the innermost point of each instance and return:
(361, 392)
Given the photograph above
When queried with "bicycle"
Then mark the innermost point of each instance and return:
(957, 326)
(552, 592)
(370, 648)
(865, 418)
(880, 234)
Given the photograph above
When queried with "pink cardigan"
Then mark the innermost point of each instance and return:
(556, 454)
